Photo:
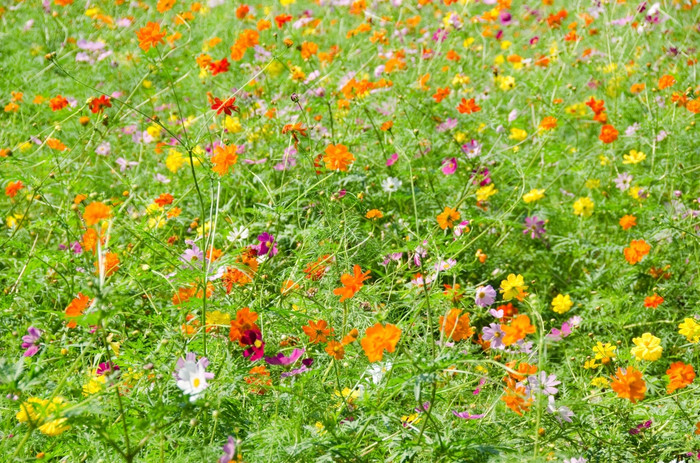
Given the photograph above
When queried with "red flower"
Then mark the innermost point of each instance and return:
(98, 104)
(282, 19)
(218, 67)
(226, 106)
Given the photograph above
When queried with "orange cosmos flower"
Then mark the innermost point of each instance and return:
(636, 251)
(374, 214)
(338, 158)
(258, 379)
(628, 384)
(448, 217)
(666, 81)
(164, 199)
(57, 103)
(55, 144)
(12, 188)
(637, 88)
(456, 326)
(350, 337)
(548, 123)
(680, 376)
(379, 338)
(519, 328)
(317, 331)
(468, 106)
(96, 211)
(150, 36)
(76, 308)
(608, 134)
(440, 94)
(335, 350)
(628, 221)
(653, 301)
(515, 400)
(225, 157)
(351, 283)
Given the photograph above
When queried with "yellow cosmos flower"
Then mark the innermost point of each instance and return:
(648, 347)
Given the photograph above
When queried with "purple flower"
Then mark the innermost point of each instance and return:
(229, 451)
(124, 164)
(289, 159)
(623, 181)
(560, 413)
(267, 245)
(485, 296)
(449, 124)
(494, 335)
(256, 346)
(449, 166)
(632, 129)
(543, 383)
(440, 35)
(472, 149)
(467, 415)
(296, 371)
(31, 341)
(194, 254)
(280, 359)
(534, 226)
(557, 334)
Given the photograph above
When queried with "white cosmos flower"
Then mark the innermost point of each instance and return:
(391, 184)
(238, 234)
(191, 375)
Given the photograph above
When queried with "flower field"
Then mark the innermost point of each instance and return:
(349, 231)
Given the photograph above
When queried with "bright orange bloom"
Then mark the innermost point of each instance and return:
(468, 106)
(519, 328)
(316, 270)
(96, 211)
(653, 301)
(608, 134)
(225, 157)
(636, 251)
(628, 384)
(374, 214)
(242, 11)
(308, 49)
(111, 264)
(90, 238)
(515, 400)
(456, 326)
(12, 188)
(666, 81)
(242, 274)
(258, 378)
(317, 331)
(440, 94)
(245, 320)
(379, 338)
(523, 370)
(637, 88)
(218, 67)
(57, 103)
(351, 283)
(335, 350)
(164, 199)
(338, 158)
(350, 337)
(628, 221)
(150, 36)
(55, 144)
(448, 217)
(680, 376)
(548, 123)
(76, 308)
(693, 106)
(597, 106)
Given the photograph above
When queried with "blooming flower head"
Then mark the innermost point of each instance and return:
(634, 157)
(533, 195)
(448, 217)
(604, 352)
(96, 211)
(44, 414)
(690, 329)
(608, 133)
(534, 226)
(583, 207)
(653, 301)
(485, 296)
(351, 283)
(338, 158)
(513, 287)
(191, 375)
(648, 347)
(623, 181)
(30, 341)
(281, 359)
(628, 221)
(628, 384)
(379, 338)
(456, 325)
(391, 184)
(449, 166)
(150, 36)
(256, 346)
(680, 375)
(230, 455)
(562, 303)
(516, 331)
(636, 251)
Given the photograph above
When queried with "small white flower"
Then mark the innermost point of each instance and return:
(191, 375)
(391, 184)
(238, 234)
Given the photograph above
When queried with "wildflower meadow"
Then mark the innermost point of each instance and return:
(349, 231)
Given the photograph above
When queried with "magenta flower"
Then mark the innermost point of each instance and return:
(31, 341)
(267, 245)
(467, 415)
(106, 368)
(392, 159)
(534, 226)
(256, 346)
(449, 166)
(280, 358)
(229, 451)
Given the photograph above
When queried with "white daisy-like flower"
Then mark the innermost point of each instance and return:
(191, 375)
(391, 184)
(238, 234)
